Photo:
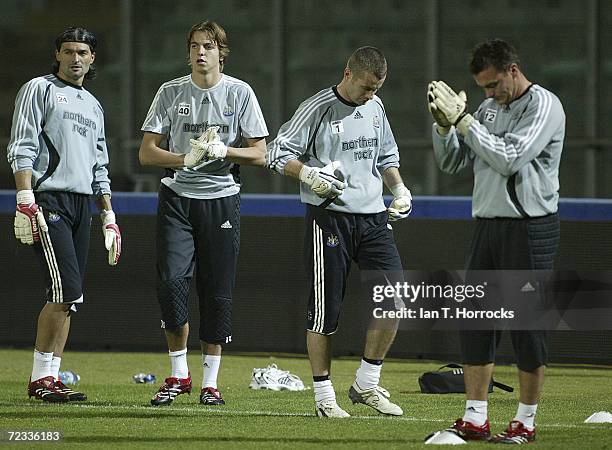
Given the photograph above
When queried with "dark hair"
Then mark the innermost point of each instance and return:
(368, 59)
(76, 34)
(494, 52)
(215, 33)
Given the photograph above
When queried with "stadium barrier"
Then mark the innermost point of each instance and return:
(121, 311)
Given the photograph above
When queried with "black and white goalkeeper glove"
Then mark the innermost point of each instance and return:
(441, 121)
(323, 181)
(452, 106)
(401, 206)
(205, 148)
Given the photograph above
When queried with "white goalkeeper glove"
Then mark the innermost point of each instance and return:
(205, 148)
(29, 219)
(401, 206)
(323, 181)
(441, 121)
(112, 236)
(452, 106)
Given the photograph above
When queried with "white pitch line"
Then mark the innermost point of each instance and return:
(228, 412)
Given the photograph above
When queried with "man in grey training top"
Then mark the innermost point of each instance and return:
(200, 127)
(343, 130)
(59, 158)
(513, 143)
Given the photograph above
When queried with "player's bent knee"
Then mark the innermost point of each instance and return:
(172, 296)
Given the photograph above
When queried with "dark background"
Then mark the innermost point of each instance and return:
(288, 50)
(121, 311)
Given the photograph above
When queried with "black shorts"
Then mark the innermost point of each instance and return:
(511, 244)
(332, 241)
(200, 235)
(63, 254)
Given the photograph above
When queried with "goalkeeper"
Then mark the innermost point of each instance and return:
(513, 143)
(59, 158)
(198, 220)
(340, 146)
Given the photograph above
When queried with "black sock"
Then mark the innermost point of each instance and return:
(376, 362)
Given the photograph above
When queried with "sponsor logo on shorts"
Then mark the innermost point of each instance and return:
(332, 241)
(54, 217)
(226, 224)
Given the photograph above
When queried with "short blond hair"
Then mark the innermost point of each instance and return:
(368, 59)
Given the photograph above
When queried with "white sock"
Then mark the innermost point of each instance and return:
(368, 375)
(323, 390)
(475, 412)
(211, 365)
(56, 362)
(178, 359)
(42, 365)
(526, 415)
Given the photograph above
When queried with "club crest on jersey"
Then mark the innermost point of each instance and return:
(183, 109)
(489, 115)
(376, 122)
(228, 111)
(332, 241)
(53, 217)
(61, 98)
(337, 127)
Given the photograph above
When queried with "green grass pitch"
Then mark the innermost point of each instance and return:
(118, 414)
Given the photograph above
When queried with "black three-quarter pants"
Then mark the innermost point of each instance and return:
(511, 244)
(203, 235)
(63, 251)
(332, 241)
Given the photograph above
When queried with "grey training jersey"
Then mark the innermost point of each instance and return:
(515, 151)
(182, 111)
(326, 128)
(58, 133)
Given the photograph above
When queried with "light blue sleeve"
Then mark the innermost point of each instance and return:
(451, 153)
(252, 122)
(389, 153)
(28, 117)
(101, 181)
(292, 139)
(531, 135)
(157, 119)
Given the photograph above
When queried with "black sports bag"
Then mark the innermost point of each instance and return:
(451, 381)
